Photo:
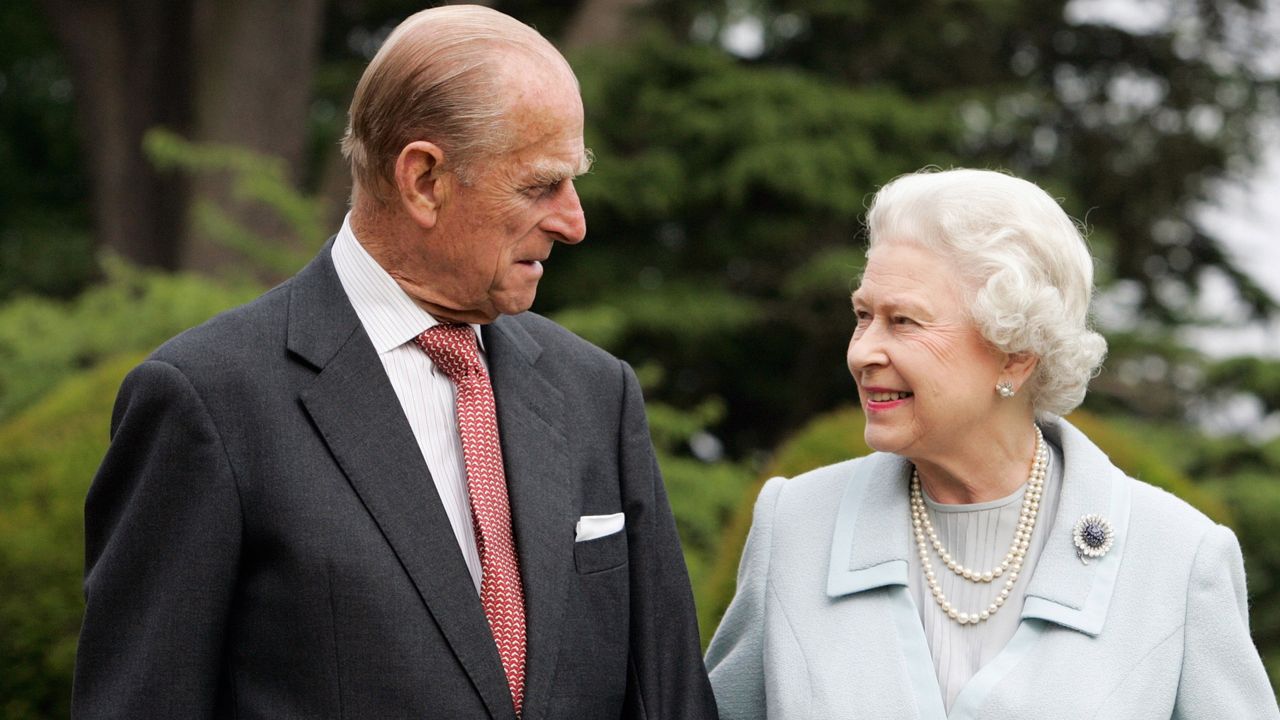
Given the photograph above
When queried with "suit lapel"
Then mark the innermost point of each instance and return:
(359, 417)
(535, 457)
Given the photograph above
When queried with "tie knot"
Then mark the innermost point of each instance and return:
(452, 348)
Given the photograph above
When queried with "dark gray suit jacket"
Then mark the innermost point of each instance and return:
(263, 539)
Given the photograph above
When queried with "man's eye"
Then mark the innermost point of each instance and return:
(902, 320)
(862, 315)
(544, 189)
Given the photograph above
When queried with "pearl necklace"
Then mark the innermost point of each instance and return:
(1012, 561)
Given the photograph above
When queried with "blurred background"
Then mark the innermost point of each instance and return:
(162, 160)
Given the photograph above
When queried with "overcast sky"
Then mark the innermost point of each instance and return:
(1248, 220)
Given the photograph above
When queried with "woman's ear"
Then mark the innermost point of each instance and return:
(1018, 367)
(421, 183)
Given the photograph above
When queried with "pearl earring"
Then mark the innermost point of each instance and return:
(1005, 388)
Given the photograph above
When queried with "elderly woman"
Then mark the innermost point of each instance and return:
(988, 561)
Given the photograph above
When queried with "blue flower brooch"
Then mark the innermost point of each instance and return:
(1093, 537)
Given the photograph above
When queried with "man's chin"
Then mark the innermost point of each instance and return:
(513, 304)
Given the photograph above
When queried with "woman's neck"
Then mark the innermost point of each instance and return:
(980, 472)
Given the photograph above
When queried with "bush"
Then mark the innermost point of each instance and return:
(42, 341)
(48, 456)
(60, 366)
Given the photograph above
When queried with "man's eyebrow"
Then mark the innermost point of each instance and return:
(584, 163)
(549, 172)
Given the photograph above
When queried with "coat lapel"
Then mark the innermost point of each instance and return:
(870, 544)
(359, 417)
(535, 457)
(1064, 590)
(869, 549)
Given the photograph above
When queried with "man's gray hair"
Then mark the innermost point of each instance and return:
(1024, 263)
(438, 78)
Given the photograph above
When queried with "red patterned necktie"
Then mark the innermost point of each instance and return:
(453, 349)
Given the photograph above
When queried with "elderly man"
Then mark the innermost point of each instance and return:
(383, 489)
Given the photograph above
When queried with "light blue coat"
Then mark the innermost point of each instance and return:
(822, 625)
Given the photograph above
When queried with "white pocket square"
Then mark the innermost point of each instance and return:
(591, 527)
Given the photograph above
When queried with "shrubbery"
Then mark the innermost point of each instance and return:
(42, 340)
(48, 455)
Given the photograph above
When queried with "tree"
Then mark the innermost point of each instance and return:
(45, 245)
(724, 211)
(212, 69)
(1133, 118)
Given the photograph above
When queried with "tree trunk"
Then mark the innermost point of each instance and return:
(130, 65)
(254, 62)
(232, 71)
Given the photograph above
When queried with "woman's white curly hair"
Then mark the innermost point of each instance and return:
(1028, 272)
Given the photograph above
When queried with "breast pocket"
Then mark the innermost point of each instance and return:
(601, 554)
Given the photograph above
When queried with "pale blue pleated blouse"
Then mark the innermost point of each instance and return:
(977, 535)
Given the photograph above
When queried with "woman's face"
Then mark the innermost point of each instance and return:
(925, 375)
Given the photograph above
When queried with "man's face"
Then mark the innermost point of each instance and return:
(493, 235)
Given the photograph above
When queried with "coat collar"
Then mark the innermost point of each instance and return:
(871, 540)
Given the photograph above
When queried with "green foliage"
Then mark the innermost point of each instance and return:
(1257, 376)
(1125, 441)
(54, 439)
(727, 200)
(704, 494)
(828, 438)
(255, 180)
(47, 456)
(42, 341)
(1136, 124)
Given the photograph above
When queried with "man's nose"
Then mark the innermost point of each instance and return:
(568, 220)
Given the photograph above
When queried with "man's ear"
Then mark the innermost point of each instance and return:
(421, 182)
(1018, 367)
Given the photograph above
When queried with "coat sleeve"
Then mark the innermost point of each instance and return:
(1222, 675)
(735, 657)
(666, 677)
(162, 542)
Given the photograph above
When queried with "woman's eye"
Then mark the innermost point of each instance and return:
(902, 320)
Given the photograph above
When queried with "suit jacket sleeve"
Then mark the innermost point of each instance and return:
(666, 677)
(1222, 675)
(162, 539)
(735, 658)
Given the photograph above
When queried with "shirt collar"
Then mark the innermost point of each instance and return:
(389, 316)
